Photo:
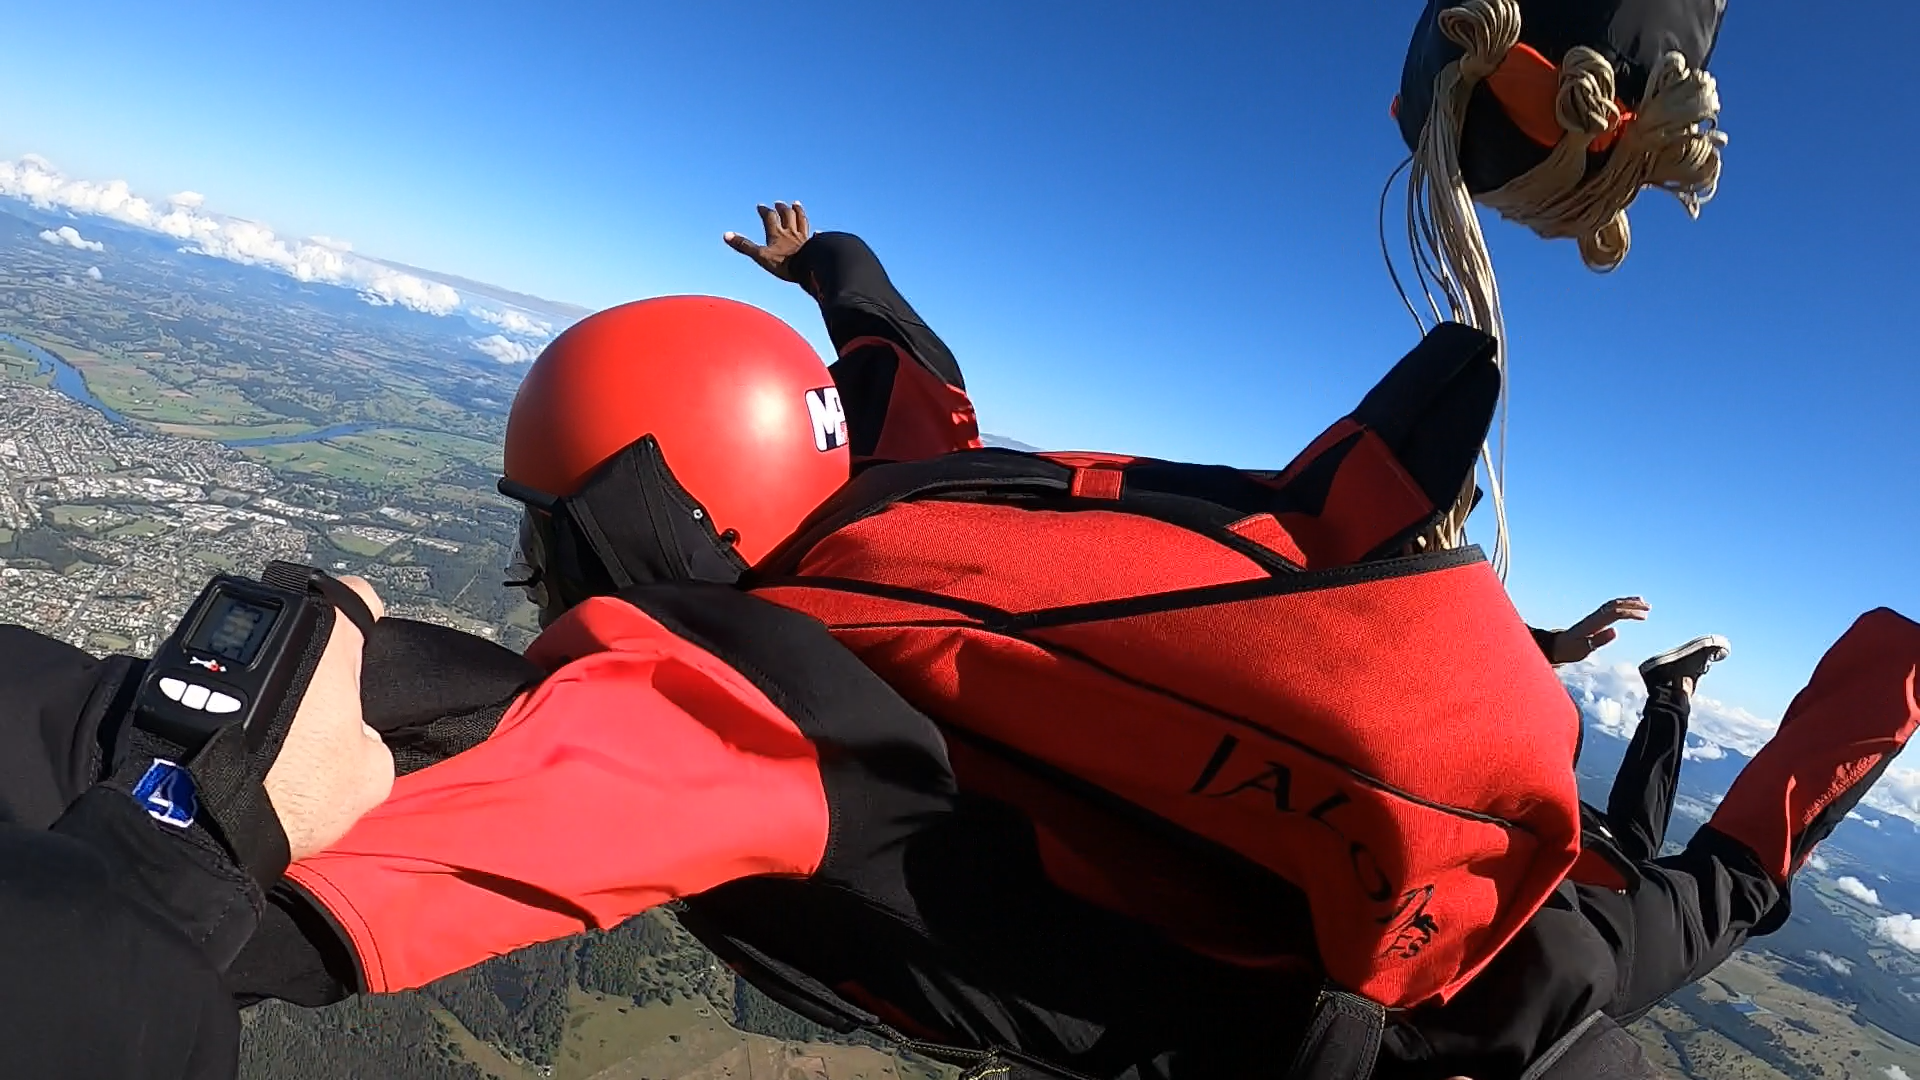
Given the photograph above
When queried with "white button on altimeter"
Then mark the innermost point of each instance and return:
(195, 697)
(173, 688)
(218, 702)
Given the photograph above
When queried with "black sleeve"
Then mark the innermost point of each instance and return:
(858, 300)
(860, 303)
(104, 935)
(298, 956)
(60, 712)
(1543, 640)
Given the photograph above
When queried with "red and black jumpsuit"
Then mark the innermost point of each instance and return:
(691, 742)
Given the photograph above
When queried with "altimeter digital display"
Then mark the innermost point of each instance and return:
(234, 629)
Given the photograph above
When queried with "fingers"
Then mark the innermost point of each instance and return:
(1601, 637)
(1630, 607)
(800, 221)
(769, 220)
(343, 660)
(742, 245)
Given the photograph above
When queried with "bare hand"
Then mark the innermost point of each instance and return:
(1579, 641)
(332, 768)
(787, 232)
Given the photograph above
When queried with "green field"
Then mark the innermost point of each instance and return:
(138, 527)
(611, 1038)
(355, 544)
(137, 392)
(100, 642)
(1808, 1035)
(385, 458)
(220, 562)
(16, 366)
(236, 431)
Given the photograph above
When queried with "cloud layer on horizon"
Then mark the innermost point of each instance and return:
(1612, 696)
(325, 260)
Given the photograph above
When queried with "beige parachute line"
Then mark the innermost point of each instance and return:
(1669, 143)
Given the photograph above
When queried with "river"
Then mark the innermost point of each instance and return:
(68, 380)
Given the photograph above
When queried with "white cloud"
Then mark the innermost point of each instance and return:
(1854, 887)
(1839, 965)
(506, 350)
(1702, 752)
(1818, 862)
(514, 322)
(69, 236)
(94, 273)
(1895, 1072)
(1612, 696)
(1902, 929)
(184, 217)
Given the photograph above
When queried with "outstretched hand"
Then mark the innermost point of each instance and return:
(1579, 641)
(787, 232)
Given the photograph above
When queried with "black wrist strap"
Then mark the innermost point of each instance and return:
(298, 578)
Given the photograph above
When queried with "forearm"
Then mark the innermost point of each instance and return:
(899, 385)
(596, 799)
(858, 300)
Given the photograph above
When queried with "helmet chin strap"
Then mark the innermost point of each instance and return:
(630, 524)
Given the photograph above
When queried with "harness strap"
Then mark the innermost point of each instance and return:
(1343, 1040)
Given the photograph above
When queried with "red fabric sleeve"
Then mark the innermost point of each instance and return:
(644, 769)
(926, 416)
(1839, 734)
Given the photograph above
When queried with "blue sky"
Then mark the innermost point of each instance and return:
(1142, 227)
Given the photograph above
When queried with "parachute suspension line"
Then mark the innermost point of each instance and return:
(1445, 231)
(1671, 141)
(1386, 254)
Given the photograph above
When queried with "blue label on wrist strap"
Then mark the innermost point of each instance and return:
(166, 792)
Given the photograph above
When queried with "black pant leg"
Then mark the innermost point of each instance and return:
(1640, 806)
(1683, 917)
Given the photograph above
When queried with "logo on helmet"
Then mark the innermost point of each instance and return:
(829, 418)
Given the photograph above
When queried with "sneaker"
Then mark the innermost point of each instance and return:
(1689, 661)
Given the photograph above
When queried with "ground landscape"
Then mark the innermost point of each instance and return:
(165, 416)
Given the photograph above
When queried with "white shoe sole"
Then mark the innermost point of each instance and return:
(1715, 642)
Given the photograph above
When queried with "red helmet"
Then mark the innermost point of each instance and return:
(745, 415)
